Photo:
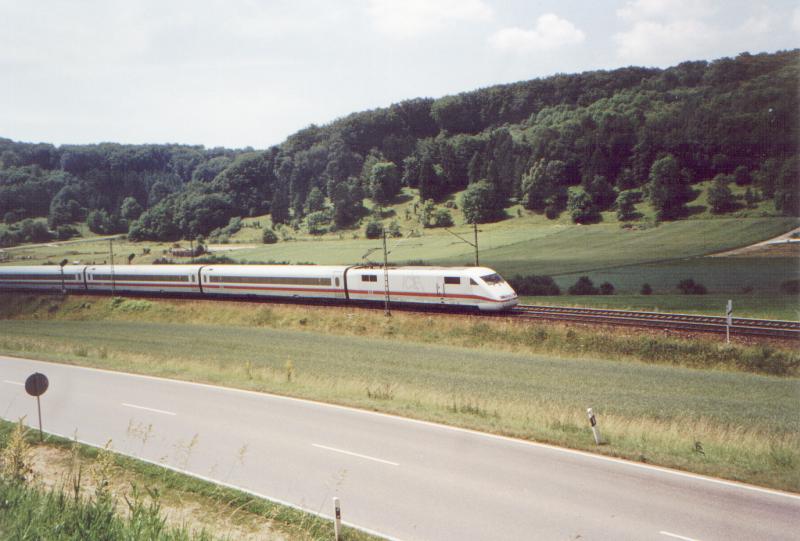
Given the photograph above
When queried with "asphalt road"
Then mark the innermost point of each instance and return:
(396, 477)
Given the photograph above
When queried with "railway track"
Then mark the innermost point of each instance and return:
(682, 322)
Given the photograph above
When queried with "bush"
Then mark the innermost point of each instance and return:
(688, 286)
(606, 288)
(64, 232)
(582, 209)
(442, 218)
(374, 230)
(583, 286)
(791, 287)
(534, 285)
(269, 236)
(646, 289)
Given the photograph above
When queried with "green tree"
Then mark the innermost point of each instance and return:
(542, 185)
(626, 205)
(315, 200)
(668, 189)
(269, 236)
(582, 209)
(602, 193)
(741, 175)
(130, 209)
(317, 222)
(720, 197)
(384, 182)
(279, 209)
(374, 230)
(787, 191)
(482, 203)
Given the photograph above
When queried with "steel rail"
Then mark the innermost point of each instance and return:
(684, 322)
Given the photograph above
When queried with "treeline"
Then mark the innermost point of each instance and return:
(580, 143)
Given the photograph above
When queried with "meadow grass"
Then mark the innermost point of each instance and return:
(749, 305)
(83, 492)
(531, 381)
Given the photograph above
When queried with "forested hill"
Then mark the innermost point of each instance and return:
(627, 133)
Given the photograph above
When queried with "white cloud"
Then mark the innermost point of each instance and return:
(411, 18)
(639, 10)
(550, 32)
(796, 19)
(655, 43)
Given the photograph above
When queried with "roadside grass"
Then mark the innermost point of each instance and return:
(532, 381)
(84, 492)
(762, 306)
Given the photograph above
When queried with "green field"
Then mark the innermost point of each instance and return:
(744, 421)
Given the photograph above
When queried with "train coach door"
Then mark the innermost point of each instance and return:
(440, 285)
(339, 285)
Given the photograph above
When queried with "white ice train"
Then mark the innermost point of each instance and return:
(469, 287)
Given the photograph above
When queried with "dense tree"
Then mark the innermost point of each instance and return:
(787, 191)
(130, 209)
(720, 197)
(625, 203)
(543, 186)
(384, 182)
(582, 209)
(668, 189)
(482, 203)
(602, 193)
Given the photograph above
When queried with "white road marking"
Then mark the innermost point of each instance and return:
(397, 418)
(676, 536)
(148, 409)
(13, 382)
(334, 449)
(241, 488)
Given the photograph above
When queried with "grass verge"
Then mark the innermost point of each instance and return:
(64, 490)
(733, 418)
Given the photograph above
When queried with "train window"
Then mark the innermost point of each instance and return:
(493, 279)
(337, 282)
(453, 280)
(472, 282)
(369, 278)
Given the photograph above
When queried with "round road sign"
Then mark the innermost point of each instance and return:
(36, 384)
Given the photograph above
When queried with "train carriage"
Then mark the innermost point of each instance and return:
(477, 287)
(43, 277)
(173, 279)
(281, 281)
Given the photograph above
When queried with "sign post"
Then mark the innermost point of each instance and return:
(36, 385)
(593, 422)
(728, 321)
(337, 520)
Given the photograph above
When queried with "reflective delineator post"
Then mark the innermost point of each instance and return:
(337, 519)
(728, 321)
(593, 422)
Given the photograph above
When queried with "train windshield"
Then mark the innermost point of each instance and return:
(493, 279)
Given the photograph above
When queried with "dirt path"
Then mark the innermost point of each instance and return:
(753, 249)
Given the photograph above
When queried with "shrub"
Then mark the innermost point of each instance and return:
(64, 232)
(688, 286)
(582, 209)
(646, 289)
(442, 218)
(534, 285)
(583, 286)
(606, 288)
(374, 230)
(791, 287)
(269, 236)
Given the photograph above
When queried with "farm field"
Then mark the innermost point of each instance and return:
(743, 420)
(763, 306)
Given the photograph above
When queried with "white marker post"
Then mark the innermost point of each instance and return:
(728, 321)
(337, 520)
(593, 422)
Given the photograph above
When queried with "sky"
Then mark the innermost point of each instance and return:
(240, 73)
